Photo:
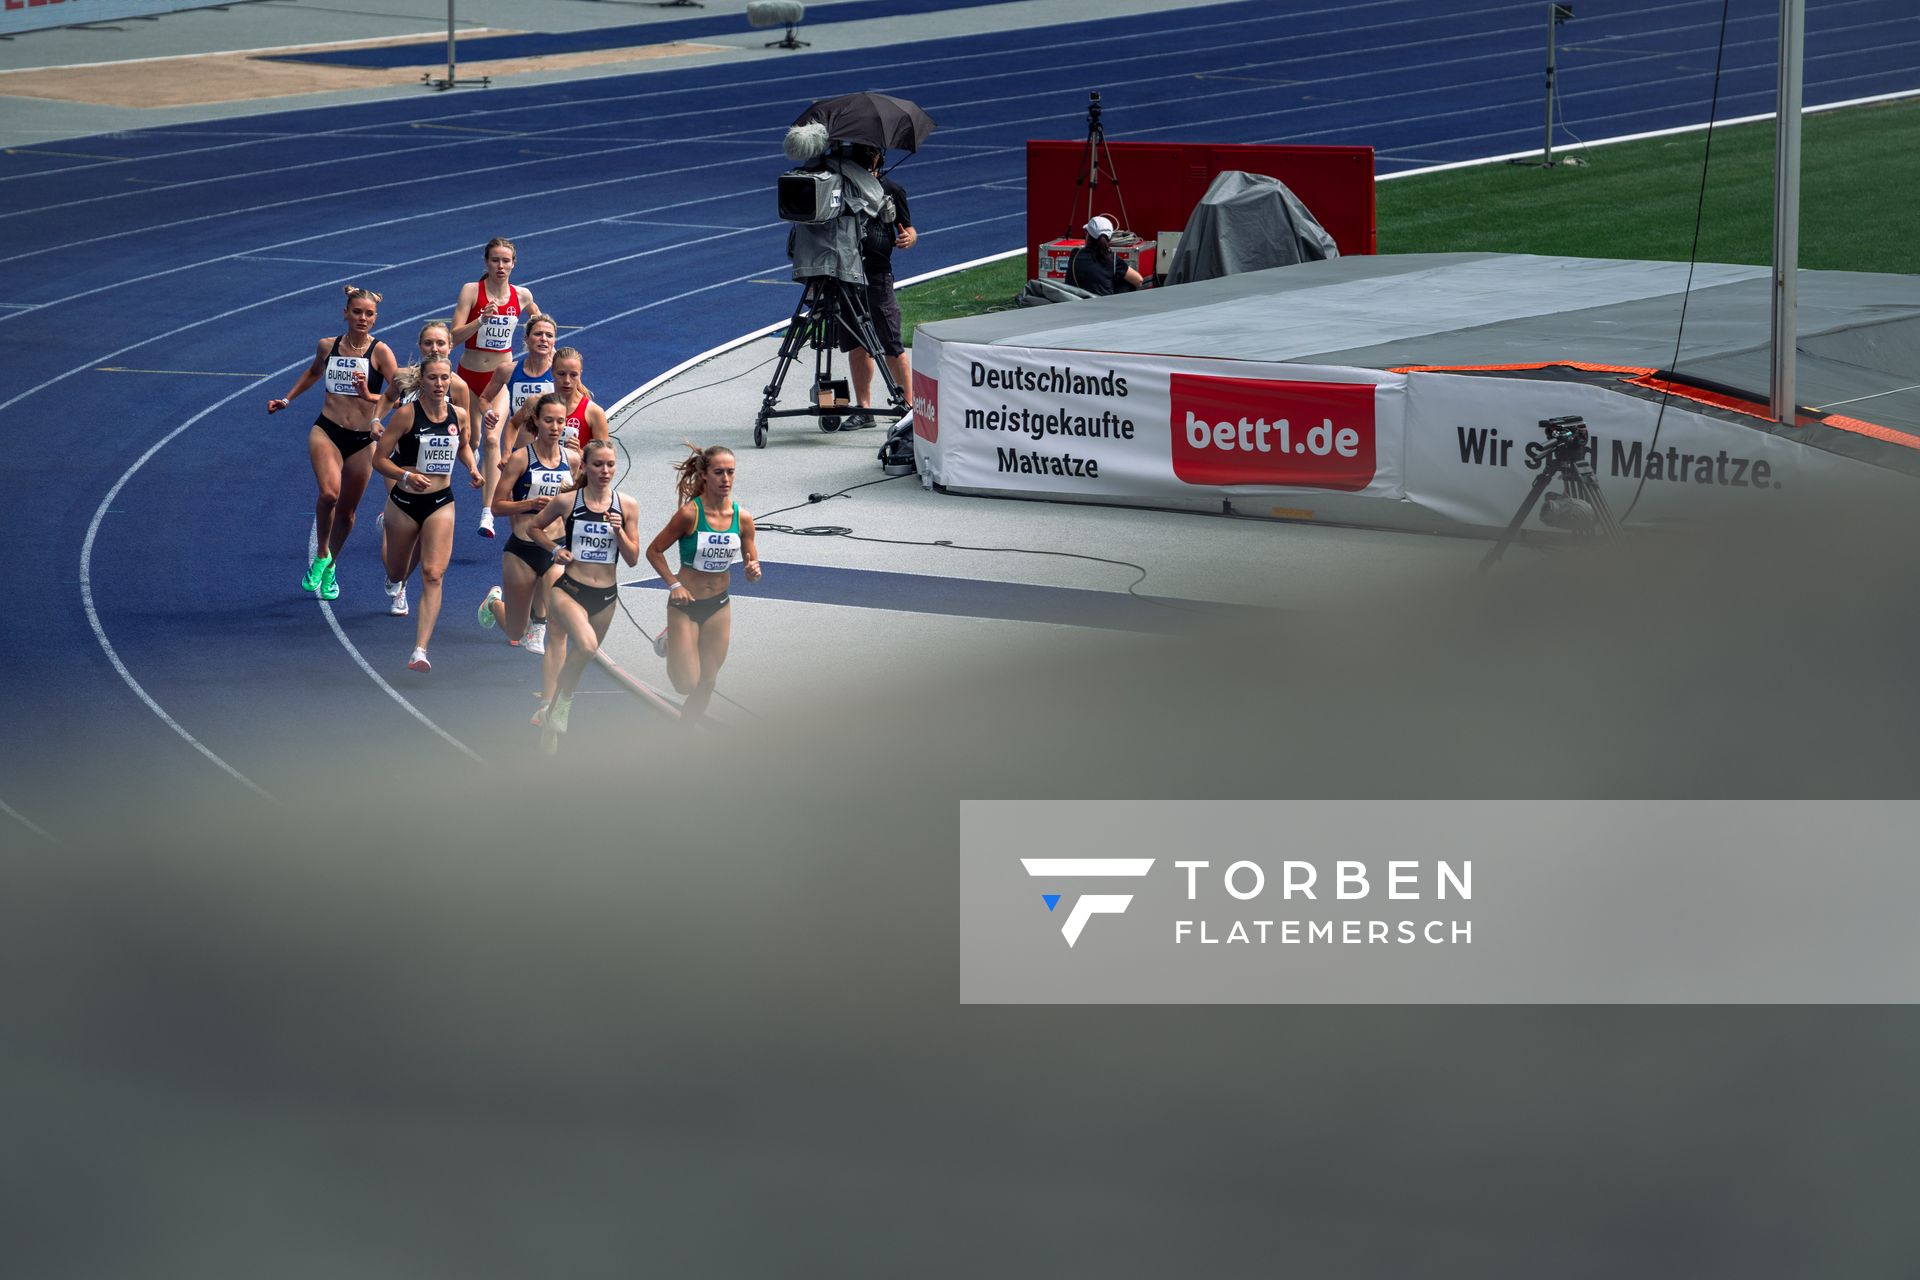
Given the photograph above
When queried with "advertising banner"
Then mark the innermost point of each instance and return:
(1474, 447)
(35, 15)
(1091, 426)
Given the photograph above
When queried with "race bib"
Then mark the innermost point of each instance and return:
(592, 542)
(528, 389)
(437, 453)
(544, 483)
(714, 552)
(496, 331)
(340, 371)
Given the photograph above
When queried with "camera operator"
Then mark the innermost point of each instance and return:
(1095, 268)
(880, 237)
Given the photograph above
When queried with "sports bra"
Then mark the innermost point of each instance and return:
(340, 370)
(430, 447)
(496, 331)
(708, 549)
(576, 432)
(523, 386)
(589, 537)
(539, 480)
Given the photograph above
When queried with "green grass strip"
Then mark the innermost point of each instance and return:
(1860, 182)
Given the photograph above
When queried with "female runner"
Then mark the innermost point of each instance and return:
(491, 307)
(585, 420)
(528, 478)
(436, 339)
(600, 524)
(713, 532)
(526, 379)
(354, 366)
(427, 435)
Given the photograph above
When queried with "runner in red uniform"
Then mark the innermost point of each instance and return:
(485, 316)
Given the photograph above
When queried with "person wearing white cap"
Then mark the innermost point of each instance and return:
(1094, 267)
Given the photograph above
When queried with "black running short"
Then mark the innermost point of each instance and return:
(592, 599)
(347, 442)
(418, 506)
(700, 610)
(537, 557)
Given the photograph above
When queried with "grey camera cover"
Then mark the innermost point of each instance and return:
(1247, 222)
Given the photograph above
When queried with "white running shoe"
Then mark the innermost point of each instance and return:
(395, 588)
(487, 619)
(535, 641)
(397, 602)
(660, 644)
(486, 523)
(418, 662)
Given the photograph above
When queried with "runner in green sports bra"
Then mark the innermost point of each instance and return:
(712, 532)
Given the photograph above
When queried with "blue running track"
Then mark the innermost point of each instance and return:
(165, 283)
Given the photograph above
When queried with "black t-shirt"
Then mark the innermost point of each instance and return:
(1098, 273)
(876, 247)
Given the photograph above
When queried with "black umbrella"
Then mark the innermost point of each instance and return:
(877, 119)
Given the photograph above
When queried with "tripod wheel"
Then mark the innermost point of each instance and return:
(760, 435)
(829, 424)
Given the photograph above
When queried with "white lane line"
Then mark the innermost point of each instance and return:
(313, 262)
(733, 109)
(93, 614)
(340, 634)
(86, 564)
(21, 818)
(607, 102)
(324, 284)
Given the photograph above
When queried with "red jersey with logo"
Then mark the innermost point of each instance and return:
(496, 331)
(575, 433)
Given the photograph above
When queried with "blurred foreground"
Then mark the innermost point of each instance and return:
(692, 1008)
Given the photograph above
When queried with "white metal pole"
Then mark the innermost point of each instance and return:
(1546, 149)
(1786, 209)
(451, 77)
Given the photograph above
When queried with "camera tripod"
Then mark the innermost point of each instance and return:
(1096, 160)
(1566, 462)
(827, 307)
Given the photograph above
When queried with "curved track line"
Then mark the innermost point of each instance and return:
(280, 297)
(340, 634)
(258, 250)
(93, 614)
(22, 819)
(479, 113)
(916, 86)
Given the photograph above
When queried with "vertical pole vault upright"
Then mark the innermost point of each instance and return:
(452, 79)
(1786, 209)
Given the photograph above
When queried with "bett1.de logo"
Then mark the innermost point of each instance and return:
(1260, 431)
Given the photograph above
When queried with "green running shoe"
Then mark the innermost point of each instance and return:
(315, 573)
(329, 589)
(486, 609)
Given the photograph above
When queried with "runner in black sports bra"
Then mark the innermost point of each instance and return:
(601, 528)
(353, 368)
(529, 478)
(429, 435)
